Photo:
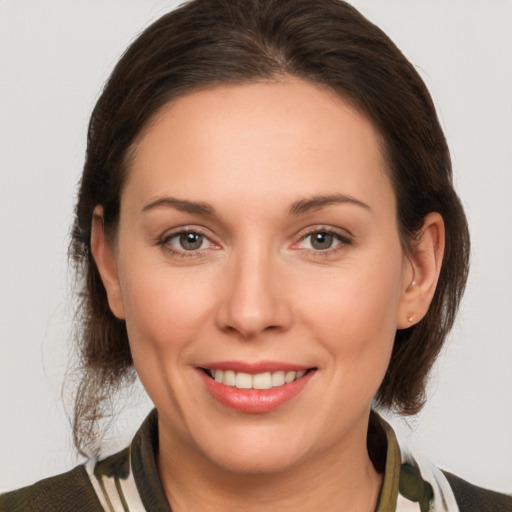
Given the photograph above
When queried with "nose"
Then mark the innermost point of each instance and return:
(254, 298)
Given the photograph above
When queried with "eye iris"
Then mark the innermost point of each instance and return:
(321, 241)
(191, 241)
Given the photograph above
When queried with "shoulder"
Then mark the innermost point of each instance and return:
(471, 498)
(65, 492)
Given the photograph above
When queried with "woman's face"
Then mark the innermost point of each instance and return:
(257, 241)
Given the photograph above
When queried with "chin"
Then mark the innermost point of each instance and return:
(256, 452)
(257, 463)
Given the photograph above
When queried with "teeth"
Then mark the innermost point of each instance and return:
(265, 380)
(290, 377)
(262, 381)
(243, 381)
(277, 379)
(229, 378)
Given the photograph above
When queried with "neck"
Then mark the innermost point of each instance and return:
(341, 478)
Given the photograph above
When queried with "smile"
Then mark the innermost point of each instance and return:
(255, 388)
(265, 380)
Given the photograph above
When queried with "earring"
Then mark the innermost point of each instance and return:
(410, 316)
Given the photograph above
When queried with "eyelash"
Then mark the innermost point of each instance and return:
(164, 242)
(342, 239)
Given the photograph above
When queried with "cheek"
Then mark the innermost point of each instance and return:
(354, 309)
(165, 315)
(164, 309)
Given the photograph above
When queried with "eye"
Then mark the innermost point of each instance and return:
(322, 240)
(190, 241)
(187, 241)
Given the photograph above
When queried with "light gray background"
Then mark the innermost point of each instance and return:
(54, 57)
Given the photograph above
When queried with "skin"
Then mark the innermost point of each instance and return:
(258, 289)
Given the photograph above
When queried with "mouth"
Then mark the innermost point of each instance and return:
(265, 380)
(255, 389)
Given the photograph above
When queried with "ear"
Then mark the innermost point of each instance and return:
(105, 259)
(422, 266)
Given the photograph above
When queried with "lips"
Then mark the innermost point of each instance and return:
(255, 388)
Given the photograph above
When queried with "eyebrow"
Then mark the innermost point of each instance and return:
(317, 202)
(198, 208)
(297, 208)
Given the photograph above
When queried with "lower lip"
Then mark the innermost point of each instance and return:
(255, 400)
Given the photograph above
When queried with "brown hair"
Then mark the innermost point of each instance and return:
(208, 43)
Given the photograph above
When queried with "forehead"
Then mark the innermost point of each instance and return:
(271, 139)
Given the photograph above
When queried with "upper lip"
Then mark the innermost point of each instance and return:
(254, 368)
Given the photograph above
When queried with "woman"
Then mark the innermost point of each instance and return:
(269, 235)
